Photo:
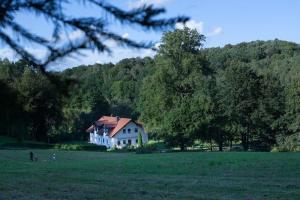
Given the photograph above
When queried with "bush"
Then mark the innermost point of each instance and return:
(237, 148)
(275, 149)
(143, 150)
(257, 145)
(150, 147)
(61, 137)
(140, 139)
(156, 146)
(127, 148)
(27, 145)
(80, 147)
(289, 143)
(6, 139)
(114, 148)
(76, 146)
(94, 148)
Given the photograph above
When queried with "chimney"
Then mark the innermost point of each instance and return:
(118, 118)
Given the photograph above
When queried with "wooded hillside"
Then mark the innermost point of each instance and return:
(248, 93)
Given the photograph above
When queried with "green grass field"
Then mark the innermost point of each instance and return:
(187, 175)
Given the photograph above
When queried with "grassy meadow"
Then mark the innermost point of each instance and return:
(186, 175)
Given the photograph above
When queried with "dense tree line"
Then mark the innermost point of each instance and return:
(247, 93)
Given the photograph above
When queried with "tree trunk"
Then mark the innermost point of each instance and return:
(221, 146)
(181, 148)
(220, 140)
(245, 141)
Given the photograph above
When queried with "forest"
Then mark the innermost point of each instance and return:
(247, 93)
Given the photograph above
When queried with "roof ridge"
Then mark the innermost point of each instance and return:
(116, 125)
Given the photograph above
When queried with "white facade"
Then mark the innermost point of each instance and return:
(128, 135)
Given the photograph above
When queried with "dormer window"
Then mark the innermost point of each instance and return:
(124, 130)
(136, 130)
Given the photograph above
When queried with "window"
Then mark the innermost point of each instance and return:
(103, 140)
(136, 141)
(119, 142)
(124, 141)
(129, 130)
(124, 130)
(129, 142)
(136, 130)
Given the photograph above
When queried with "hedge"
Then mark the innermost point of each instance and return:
(80, 147)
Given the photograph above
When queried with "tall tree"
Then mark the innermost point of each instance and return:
(270, 120)
(12, 117)
(172, 100)
(240, 89)
(42, 102)
(292, 97)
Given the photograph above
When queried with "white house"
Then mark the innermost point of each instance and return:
(116, 132)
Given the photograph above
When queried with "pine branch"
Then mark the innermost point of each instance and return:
(94, 29)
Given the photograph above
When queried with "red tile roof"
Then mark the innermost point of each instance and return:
(114, 123)
(121, 123)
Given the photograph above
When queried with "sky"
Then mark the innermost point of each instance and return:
(221, 21)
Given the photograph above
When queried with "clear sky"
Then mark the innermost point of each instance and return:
(222, 21)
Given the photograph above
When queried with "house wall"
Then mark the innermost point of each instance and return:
(133, 136)
(99, 139)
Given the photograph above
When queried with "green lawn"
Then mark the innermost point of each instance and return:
(188, 175)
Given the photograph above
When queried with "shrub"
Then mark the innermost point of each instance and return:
(257, 145)
(150, 146)
(237, 148)
(27, 145)
(156, 146)
(94, 148)
(80, 147)
(140, 139)
(275, 149)
(289, 143)
(114, 148)
(143, 150)
(128, 148)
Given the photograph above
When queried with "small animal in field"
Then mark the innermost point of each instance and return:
(35, 158)
(31, 156)
(53, 156)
